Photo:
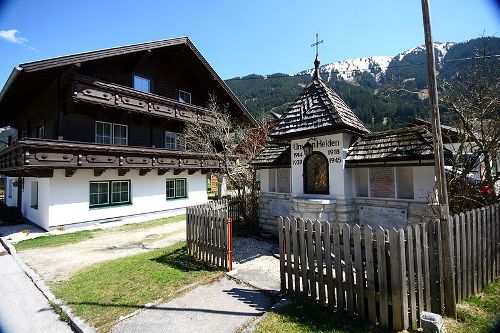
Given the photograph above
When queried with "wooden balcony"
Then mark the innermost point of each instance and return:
(39, 158)
(86, 89)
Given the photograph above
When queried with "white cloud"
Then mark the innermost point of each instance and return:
(10, 36)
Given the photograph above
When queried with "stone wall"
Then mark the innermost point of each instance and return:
(417, 211)
(271, 207)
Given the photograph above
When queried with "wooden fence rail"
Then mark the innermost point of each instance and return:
(386, 276)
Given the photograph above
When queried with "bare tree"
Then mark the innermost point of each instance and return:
(233, 144)
(474, 104)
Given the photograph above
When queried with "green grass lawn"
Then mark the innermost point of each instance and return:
(478, 313)
(302, 316)
(104, 292)
(78, 236)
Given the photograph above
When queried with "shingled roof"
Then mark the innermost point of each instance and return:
(273, 156)
(58, 62)
(402, 144)
(318, 109)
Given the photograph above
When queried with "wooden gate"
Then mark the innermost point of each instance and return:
(209, 233)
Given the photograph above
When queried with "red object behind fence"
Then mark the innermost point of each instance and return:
(230, 244)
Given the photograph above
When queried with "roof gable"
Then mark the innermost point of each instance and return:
(52, 63)
(317, 109)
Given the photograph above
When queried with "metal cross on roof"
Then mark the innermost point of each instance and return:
(316, 44)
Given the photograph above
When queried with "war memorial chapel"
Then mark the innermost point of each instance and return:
(322, 163)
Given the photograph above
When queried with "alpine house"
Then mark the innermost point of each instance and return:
(99, 132)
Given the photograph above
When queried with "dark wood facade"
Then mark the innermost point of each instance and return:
(67, 95)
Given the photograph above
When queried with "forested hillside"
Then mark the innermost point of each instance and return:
(364, 83)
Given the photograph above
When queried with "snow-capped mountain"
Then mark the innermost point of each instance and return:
(376, 66)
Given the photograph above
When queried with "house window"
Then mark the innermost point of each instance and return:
(40, 132)
(9, 189)
(404, 181)
(184, 97)
(316, 174)
(173, 141)
(120, 134)
(109, 133)
(176, 188)
(108, 193)
(142, 84)
(34, 195)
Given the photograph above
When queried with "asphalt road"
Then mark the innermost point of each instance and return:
(23, 308)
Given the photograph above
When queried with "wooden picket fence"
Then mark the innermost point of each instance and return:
(209, 231)
(386, 276)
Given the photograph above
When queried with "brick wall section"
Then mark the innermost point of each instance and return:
(382, 182)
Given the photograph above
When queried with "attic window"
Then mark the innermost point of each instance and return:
(184, 97)
(142, 84)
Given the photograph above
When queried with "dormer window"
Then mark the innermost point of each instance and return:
(173, 141)
(142, 84)
(184, 97)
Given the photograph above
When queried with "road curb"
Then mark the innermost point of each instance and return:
(77, 324)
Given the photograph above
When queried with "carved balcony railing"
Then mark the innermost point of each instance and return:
(86, 89)
(39, 157)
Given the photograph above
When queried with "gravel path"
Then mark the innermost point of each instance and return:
(256, 263)
(59, 263)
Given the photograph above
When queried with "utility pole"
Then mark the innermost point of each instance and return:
(446, 230)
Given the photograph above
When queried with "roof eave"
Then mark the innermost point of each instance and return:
(12, 77)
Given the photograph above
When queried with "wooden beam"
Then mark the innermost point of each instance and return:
(69, 172)
(42, 173)
(204, 171)
(192, 172)
(98, 172)
(143, 172)
(161, 172)
(177, 171)
(122, 172)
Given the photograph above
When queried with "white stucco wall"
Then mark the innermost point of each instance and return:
(334, 147)
(69, 196)
(264, 180)
(423, 183)
(40, 214)
(65, 200)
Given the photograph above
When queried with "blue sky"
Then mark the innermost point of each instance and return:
(237, 37)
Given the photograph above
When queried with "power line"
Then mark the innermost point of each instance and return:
(272, 76)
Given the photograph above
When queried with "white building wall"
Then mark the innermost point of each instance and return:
(39, 214)
(10, 192)
(334, 147)
(264, 180)
(69, 196)
(423, 183)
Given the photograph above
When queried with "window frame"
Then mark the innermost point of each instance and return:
(143, 78)
(175, 181)
(110, 202)
(177, 141)
(185, 93)
(10, 187)
(34, 195)
(40, 132)
(306, 190)
(112, 133)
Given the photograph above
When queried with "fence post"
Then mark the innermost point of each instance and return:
(282, 254)
(230, 243)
